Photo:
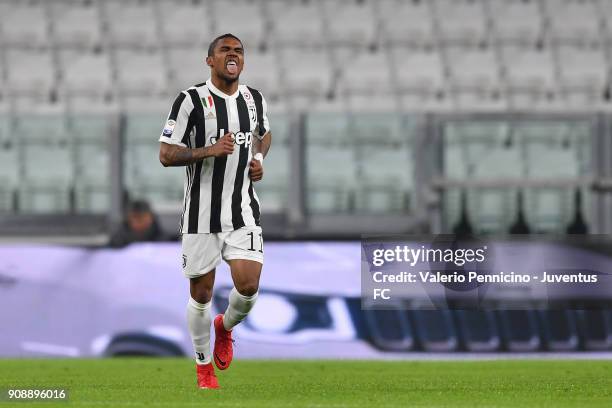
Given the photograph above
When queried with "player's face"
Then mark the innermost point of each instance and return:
(227, 59)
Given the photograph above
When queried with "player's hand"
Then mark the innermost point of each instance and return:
(224, 146)
(255, 170)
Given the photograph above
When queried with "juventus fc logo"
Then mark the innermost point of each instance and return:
(253, 113)
(200, 356)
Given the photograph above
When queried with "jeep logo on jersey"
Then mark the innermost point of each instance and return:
(240, 138)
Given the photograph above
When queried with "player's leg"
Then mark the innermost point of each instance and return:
(242, 297)
(201, 254)
(198, 315)
(245, 274)
(243, 251)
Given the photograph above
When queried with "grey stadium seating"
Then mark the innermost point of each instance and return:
(367, 57)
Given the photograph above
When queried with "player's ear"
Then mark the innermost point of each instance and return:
(209, 61)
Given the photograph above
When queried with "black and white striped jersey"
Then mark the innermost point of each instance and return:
(219, 195)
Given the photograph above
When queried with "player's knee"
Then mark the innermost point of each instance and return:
(248, 288)
(201, 295)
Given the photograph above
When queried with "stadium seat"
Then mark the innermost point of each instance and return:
(461, 21)
(186, 24)
(559, 329)
(435, 330)
(383, 138)
(520, 330)
(42, 128)
(452, 208)
(278, 106)
(548, 209)
(478, 330)
(385, 188)
(516, 21)
(92, 187)
(583, 75)
(477, 100)
(390, 329)
(9, 157)
(493, 210)
(131, 24)
(86, 75)
(473, 69)
(307, 72)
(90, 128)
(91, 134)
(328, 129)
(298, 102)
(331, 183)
(76, 24)
(389, 130)
(500, 162)
(604, 8)
(188, 67)
(30, 73)
(296, 23)
(273, 188)
(477, 135)
(529, 70)
(596, 325)
(144, 127)
(145, 177)
(247, 22)
(583, 100)
(573, 21)
(455, 165)
(484, 149)
(262, 72)
(423, 101)
(418, 71)
(351, 23)
(358, 102)
(366, 73)
(25, 25)
(145, 104)
(406, 23)
(141, 73)
(552, 161)
(45, 142)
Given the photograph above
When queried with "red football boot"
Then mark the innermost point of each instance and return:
(224, 350)
(206, 376)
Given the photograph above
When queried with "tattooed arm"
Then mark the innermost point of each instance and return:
(175, 155)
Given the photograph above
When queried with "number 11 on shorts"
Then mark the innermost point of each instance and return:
(252, 248)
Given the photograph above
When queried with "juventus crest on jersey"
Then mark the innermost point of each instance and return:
(219, 195)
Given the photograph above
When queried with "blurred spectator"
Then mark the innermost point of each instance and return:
(140, 225)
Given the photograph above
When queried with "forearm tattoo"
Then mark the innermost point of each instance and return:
(182, 156)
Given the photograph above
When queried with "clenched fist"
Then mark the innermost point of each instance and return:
(255, 170)
(224, 146)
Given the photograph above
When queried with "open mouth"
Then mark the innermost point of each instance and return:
(232, 66)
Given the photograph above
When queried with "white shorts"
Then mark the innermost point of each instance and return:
(203, 252)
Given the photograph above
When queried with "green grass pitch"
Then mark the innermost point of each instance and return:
(148, 382)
